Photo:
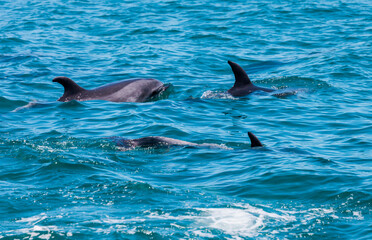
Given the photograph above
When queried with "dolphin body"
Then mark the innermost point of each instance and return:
(243, 85)
(165, 142)
(132, 90)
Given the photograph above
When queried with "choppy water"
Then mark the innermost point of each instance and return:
(62, 177)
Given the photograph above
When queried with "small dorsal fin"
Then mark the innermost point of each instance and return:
(71, 88)
(241, 77)
(254, 140)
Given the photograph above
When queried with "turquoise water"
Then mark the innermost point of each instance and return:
(62, 177)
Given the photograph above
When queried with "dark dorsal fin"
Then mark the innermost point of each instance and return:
(241, 77)
(254, 140)
(71, 88)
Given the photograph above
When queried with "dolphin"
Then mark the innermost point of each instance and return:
(254, 140)
(164, 142)
(243, 85)
(132, 90)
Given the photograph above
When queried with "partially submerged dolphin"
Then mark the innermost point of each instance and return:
(132, 90)
(243, 85)
(164, 142)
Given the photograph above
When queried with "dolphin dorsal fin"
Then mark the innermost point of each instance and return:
(241, 77)
(71, 88)
(254, 140)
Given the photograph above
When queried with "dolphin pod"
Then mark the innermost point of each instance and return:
(132, 90)
(140, 90)
(165, 142)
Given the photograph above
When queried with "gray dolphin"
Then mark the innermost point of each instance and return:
(243, 85)
(132, 90)
(164, 142)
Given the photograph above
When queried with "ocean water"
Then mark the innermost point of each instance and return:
(62, 176)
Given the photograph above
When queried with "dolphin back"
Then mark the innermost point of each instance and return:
(131, 90)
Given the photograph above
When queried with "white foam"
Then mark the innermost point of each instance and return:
(42, 232)
(41, 228)
(42, 148)
(284, 215)
(232, 221)
(167, 216)
(34, 219)
(216, 95)
(239, 221)
(112, 221)
(45, 236)
(213, 145)
(358, 215)
(203, 234)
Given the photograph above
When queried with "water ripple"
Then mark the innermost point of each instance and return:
(62, 176)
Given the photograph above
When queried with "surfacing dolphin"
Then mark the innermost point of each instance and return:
(165, 142)
(243, 85)
(132, 90)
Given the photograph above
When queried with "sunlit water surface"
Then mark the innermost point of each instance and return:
(61, 175)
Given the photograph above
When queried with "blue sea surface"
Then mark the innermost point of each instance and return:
(63, 177)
